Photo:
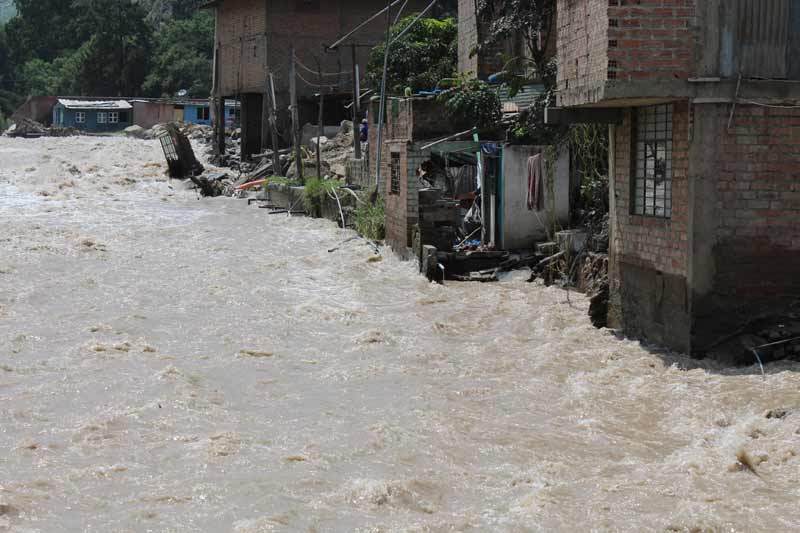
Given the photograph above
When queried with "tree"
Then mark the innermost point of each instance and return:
(422, 58)
(118, 56)
(42, 29)
(184, 50)
(532, 21)
(472, 102)
(39, 77)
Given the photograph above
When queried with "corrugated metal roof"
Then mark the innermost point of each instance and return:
(95, 104)
(756, 38)
(521, 101)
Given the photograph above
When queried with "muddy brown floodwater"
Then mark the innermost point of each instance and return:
(175, 364)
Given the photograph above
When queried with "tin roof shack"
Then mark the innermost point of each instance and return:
(255, 35)
(148, 112)
(704, 101)
(93, 115)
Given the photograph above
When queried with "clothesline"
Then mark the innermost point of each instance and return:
(317, 73)
(321, 86)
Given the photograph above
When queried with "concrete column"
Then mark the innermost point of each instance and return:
(614, 303)
(704, 163)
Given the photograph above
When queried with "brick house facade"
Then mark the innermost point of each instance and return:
(704, 159)
(410, 124)
(253, 35)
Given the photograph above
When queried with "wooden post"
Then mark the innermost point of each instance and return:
(220, 103)
(321, 120)
(298, 153)
(277, 169)
(356, 107)
(320, 132)
(265, 112)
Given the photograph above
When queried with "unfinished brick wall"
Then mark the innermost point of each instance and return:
(410, 123)
(582, 47)
(247, 27)
(651, 39)
(758, 203)
(612, 41)
(397, 224)
(649, 256)
(241, 35)
(654, 243)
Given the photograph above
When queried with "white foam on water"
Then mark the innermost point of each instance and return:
(169, 363)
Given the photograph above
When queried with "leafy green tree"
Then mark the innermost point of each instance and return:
(184, 51)
(42, 29)
(117, 59)
(532, 21)
(472, 102)
(5, 61)
(39, 77)
(423, 57)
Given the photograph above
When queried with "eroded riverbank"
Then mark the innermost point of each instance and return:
(175, 364)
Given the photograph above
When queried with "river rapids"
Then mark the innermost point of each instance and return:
(169, 363)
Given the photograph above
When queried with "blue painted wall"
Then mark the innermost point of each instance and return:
(191, 112)
(66, 118)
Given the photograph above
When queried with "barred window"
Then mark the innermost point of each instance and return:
(395, 172)
(652, 183)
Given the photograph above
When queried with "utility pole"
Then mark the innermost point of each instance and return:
(382, 112)
(298, 153)
(277, 169)
(220, 103)
(356, 106)
(321, 124)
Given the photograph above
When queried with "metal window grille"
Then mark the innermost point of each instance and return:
(652, 183)
(395, 172)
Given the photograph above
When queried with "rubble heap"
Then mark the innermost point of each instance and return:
(30, 129)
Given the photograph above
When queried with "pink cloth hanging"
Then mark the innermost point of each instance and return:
(535, 193)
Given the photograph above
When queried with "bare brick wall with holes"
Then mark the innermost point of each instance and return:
(757, 251)
(615, 41)
(241, 28)
(396, 202)
(654, 243)
(651, 39)
(582, 44)
(246, 25)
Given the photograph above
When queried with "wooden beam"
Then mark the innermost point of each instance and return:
(564, 116)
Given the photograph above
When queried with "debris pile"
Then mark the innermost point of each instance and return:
(183, 163)
(30, 129)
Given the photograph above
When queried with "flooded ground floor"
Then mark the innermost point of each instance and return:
(175, 364)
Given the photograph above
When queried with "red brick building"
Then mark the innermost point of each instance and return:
(253, 35)
(410, 125)
(705, 156)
